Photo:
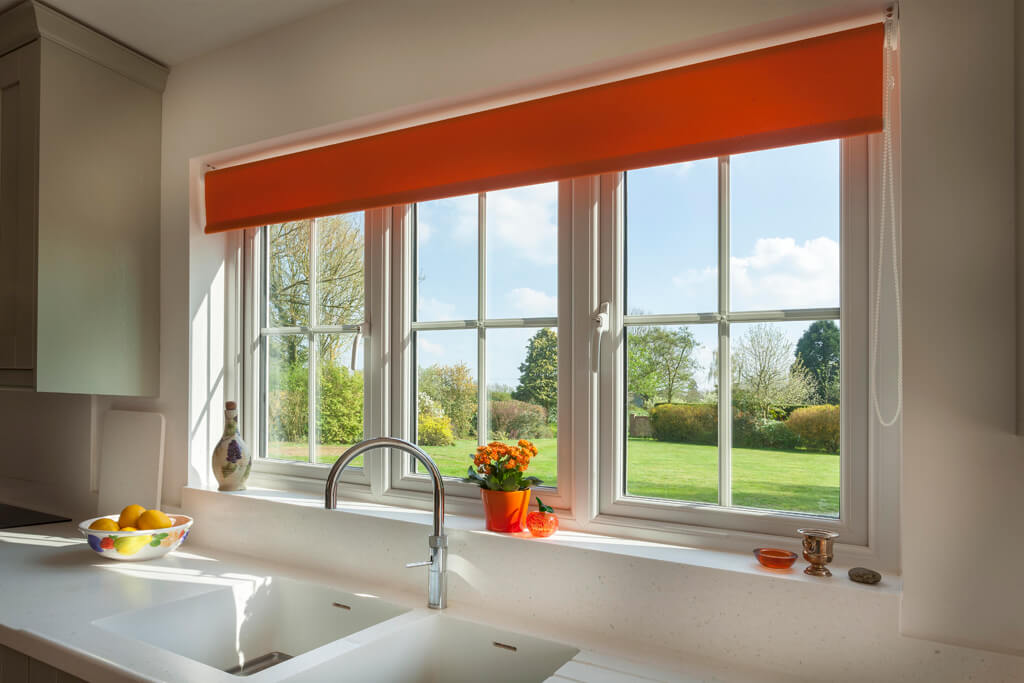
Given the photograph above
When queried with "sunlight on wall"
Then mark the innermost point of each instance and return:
(206, 418)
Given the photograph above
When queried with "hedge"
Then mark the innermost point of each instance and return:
(514, 419)
(817, 427)
(812, 427)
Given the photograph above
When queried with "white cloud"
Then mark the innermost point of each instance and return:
(531, 302)
(430, 348)
(430, 308)
(783, 274)
(524, 220)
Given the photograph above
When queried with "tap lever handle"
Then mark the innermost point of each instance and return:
(419, 564)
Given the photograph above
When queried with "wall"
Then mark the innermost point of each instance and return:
(962, 467)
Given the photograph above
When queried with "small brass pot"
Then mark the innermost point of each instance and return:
(818, 550)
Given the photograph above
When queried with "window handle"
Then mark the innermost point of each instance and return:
(361, 330)
(600, 327)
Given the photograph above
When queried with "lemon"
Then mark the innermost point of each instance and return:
(127, 528)
(104, 524)
(154, 519)
(130, 516)
(129, 545)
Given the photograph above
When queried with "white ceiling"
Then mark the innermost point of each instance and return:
(171, 31)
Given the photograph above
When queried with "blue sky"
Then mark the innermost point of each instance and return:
(784, 212)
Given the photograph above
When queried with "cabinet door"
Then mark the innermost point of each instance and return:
(19, 102)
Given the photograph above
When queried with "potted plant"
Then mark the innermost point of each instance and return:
(499, 470)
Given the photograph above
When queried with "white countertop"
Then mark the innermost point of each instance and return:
(54, 588)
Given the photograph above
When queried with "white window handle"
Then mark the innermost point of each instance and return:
(600, 327)
(361, 330)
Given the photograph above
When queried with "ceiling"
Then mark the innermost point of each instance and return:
(172, 31)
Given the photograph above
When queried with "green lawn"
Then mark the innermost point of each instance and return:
(797, 481)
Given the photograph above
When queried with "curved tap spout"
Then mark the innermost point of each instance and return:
(437, 581)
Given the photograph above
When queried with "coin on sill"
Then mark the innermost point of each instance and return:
(864, 575)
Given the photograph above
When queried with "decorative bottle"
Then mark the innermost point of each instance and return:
(232, 460)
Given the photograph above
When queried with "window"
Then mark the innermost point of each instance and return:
(733, 278)
(311, 367)
(485, 328)
(728, 390)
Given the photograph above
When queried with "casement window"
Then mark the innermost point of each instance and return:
(735, 378)
(686, 341)
(481, 286)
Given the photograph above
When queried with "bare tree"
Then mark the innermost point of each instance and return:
(764, 373)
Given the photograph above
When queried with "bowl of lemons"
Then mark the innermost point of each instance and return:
(136, 534)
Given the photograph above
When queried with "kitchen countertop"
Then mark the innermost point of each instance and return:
(62, 587)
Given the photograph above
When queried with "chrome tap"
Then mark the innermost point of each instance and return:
(437, 575)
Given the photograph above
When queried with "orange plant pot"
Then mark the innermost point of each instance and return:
(505, 511)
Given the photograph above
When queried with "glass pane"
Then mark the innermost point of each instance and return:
(672, 412)
(522, 252)
(339, 419)
(785, 431)
(288, 397)
(340, 269)
(289, 274)
(446, 389)
(446, 259)
(784, 215)
(522, 390)
(672, 238)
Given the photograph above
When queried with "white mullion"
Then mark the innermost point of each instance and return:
(264, 351)
(724, 365)
(482, 419)
(311, 339)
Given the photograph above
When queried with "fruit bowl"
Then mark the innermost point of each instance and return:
(133, 546)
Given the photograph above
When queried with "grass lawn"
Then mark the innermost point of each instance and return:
(796, 481)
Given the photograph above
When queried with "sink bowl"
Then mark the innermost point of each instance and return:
(255, 623)
(440, 648)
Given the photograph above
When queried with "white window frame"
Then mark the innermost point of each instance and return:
(308, 477)
(591, 423)
(613, 505)
(404, 480)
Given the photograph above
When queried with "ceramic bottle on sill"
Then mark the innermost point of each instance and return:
(232, 460)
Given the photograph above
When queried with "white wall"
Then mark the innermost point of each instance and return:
(963, 465)
(963, 468)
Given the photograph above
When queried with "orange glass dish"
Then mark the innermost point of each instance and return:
(773, 558)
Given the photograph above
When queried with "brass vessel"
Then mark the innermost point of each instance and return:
(818, 550)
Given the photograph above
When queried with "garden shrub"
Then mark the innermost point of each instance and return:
(817, 427)
(685, 423)
(519, 420)
(341, 405)
(435, 431)
(774, 435)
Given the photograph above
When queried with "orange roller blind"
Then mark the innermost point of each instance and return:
(824, 87)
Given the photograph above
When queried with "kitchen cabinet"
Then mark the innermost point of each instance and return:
(18, 668)
(80, 119)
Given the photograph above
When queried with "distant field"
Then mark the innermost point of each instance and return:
(797, 481)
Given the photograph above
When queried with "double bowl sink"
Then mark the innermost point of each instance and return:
(281, 629)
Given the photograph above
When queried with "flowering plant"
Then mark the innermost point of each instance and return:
(500, 467)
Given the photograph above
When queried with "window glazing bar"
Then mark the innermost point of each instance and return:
(482, 416)
(724, 366)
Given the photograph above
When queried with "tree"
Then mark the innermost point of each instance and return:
(453, 389)
(339, 280)
(538, 378)
(661, 363)
(818, 351)
(763, 375)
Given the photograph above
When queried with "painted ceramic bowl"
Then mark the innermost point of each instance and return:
(133, 546)
(774, 558)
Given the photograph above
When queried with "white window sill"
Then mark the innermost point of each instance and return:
(743, 563)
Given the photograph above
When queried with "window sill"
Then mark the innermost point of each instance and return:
(456, 523)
